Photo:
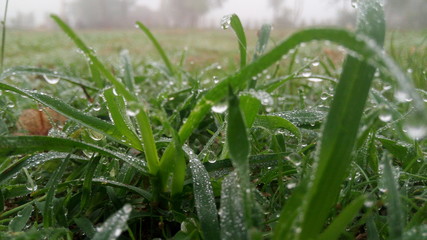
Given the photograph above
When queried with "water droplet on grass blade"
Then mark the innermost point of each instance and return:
(354, 3)
(96, 107)
(385, 117)
(416, 131)
(306, 73)
(51, 80)
(220, 108)
(315, 64)
(313, 79)
(31, 187)
(402, 96)
(96, 136)
(226, 21)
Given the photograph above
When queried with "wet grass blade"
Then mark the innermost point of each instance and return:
(29, 144)
(117, 108)
(128, 78)
(87, 184)
(250, 106)
(158, 47)
(340, 223)
(93, 60)
(275, 122)
(236, 25)
(69, 112)
(22, 70)
(113, 227)
(394, 206)
(261, 46)
(48, 218)
(232, 216)
(204, 200)
(33, 161)
(340, 131)
(18, 223)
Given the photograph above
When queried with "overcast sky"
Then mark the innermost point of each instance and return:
(248, 10)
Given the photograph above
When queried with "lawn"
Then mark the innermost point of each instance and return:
(215, 134)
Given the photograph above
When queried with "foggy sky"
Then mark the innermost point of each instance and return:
(247, 10)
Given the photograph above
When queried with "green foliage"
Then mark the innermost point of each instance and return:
(259, 152)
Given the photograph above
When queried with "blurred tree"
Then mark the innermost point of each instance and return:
(186, 13)
(100, 13)
(283, 17)
(409, 14)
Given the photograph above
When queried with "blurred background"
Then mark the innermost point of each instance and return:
(283, 14)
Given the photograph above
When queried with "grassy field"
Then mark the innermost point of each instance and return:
(215, 134)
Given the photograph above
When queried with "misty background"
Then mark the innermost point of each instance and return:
(116, 14)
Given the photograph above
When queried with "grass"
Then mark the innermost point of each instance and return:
(292, 143)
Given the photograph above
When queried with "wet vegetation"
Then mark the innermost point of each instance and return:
(317, 136)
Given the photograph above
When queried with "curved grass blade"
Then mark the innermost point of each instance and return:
(339, 224)
(93, 60)
(158, 47)
(341, 127)
(113, 227)
(116, 106)
(362, 46)
(204, 200)
(30, 144)
(276, 122)
(21, 70)
(303, 118)
(48, 218)
(18, 223)
(85, 225)
(236, 25)
(250, 106)
(70, 112)
(32, 161)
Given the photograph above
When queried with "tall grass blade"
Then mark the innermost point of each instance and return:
(250, 106)
(117, 108)
(204, 200)
(261, 46)
(48, 218)
(337, 227)
(18, 223)
(275, 122)
(3, 36)
(158, 47)
(394, 206)
(233, 225)
(93, 60)
(340, 131)
(113, 227)
(87, 184)
(128, 78)
(236, 25)
(29, 144)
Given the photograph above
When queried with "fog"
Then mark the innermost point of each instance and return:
(184, 13)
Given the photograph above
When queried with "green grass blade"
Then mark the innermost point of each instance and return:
(232, 217)
(120, 88)
(117, 108)
(113, 227)
(340, 131)
(33, 161)
(86, 226)
(30, 144)
(25, 70)
(250, 106)
(303, 118)
(236, 25)
(87, 184)
(158, 47)
(394, 206)
(69, 112)
(339, 224)
(128, 78)
(18, 223)
(3, 36)
(48, 218)
(261, 46)
(204, 200)
(275, 122)
(371, 229)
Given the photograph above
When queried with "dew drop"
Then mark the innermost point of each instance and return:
(11, 105)
(96, 136)
(212, 160)
(354, 3)
(226, 21)
(220, 108)
(416, 131)
(215, 79)
(51, 80)
(127, 208)
(385, 117)
(31, 187)
(115, 92)
(291, 185)
(324, 96)
(96, 107)
(402, 96)
(315, 64)
(312, 79)
(306, 73)
(368, 204)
